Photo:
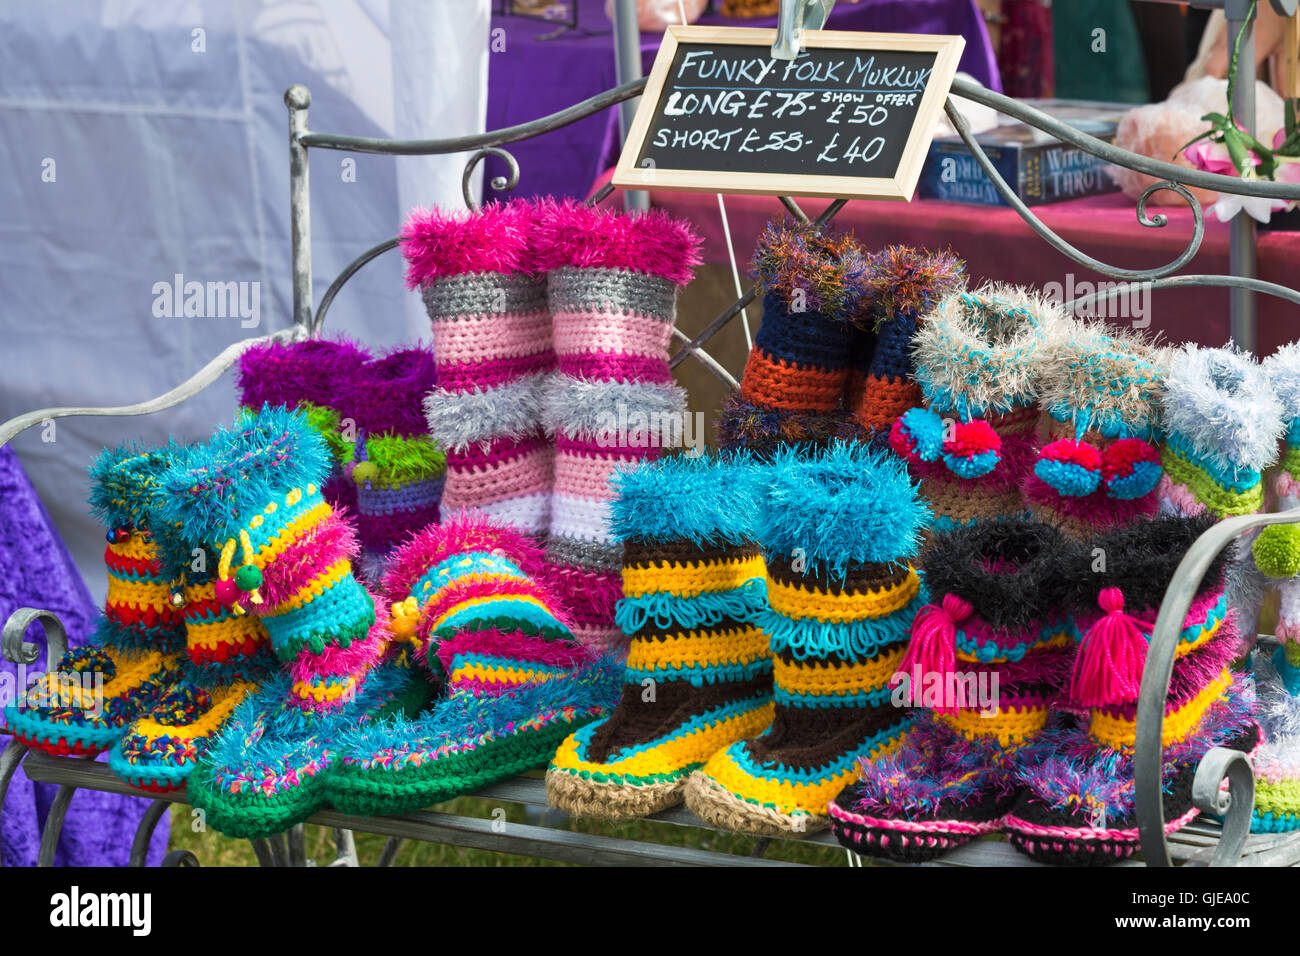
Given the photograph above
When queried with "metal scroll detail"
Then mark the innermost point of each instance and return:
(1059, 244)
(18, 651)
(499, 183)
(187, 389)
(1156, 674)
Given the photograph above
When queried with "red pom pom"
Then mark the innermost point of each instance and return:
(1119, 459)
(1069, 451)
(972, 438)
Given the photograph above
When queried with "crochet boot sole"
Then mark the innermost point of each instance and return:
(903, 841)
(718, 807)
(379, 792)
(603, 800)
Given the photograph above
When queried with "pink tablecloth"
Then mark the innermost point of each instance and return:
(997, 244)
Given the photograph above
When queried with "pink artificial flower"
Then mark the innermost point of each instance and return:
(1214, 158)
(1287, 170)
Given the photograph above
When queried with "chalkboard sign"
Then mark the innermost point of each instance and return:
(852, 115)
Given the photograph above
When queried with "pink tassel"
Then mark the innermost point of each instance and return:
(933, 648)
(1109, 667)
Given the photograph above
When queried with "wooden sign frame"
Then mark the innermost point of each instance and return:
(900, 187)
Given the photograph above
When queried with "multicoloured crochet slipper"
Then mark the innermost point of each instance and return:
(1277, 760)
(793, 388)
(84, 706)
(1078, 804)
(229, 658)
(988, 661)
(1276, 549)
(268, 769)
(478, 607)
(254, 492)
(699, 672)
(978, 357)
(1224, 422)
(1101, 388)
(839, 529)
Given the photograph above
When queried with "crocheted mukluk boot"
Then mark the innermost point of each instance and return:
(900, 286)
(978, 358)
(476, 604)
(699, 672)
(1223, 424)
(85, 704)
(479, 276)
(310, 376)
(987, 660)
(229, 657)
(253, 493)
(396, 466)
(1101, 389)
(1077, 805)
(839, 529)
(798, 373)
(1276, 548)
(612, 286)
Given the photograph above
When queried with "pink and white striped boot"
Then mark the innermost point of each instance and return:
(612, 285)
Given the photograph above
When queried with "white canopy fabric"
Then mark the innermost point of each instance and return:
(144, 141)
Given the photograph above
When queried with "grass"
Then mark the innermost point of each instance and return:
(213, 849)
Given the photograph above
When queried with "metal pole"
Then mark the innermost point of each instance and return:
(1242, 238)
(298, 99)
(627, 60)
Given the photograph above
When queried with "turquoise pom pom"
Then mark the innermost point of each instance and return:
(926, 431)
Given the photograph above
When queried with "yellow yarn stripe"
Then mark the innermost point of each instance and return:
(1116, 732)
(492, 674)
(1057, 640)
(803, 603)
(489, 599)
(137, 548)
(224, 701)
(323, 692)
(738, 646)
(802, 677)
(691, 580)
(674, 755)
(138, 595)
(133, 668)
(315, 587)
(232, 630)
(1008, 726)
(1186, 647)
(290, 532)
(487, 577)
(785, 796)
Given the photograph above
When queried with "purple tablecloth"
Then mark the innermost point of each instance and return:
(530, 77)
(36, 571)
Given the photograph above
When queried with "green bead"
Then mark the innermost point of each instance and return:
(248, 578)
(1277, 550)
(365, 471)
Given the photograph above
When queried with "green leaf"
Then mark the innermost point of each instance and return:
(1236, 148)
(1206, 135)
